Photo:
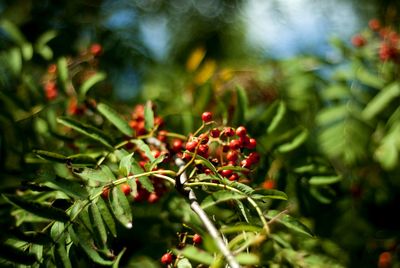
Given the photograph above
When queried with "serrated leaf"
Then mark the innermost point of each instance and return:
(16, 255)
(142, 146)
(156, 161)
(55, 157)
(114, 118)
(37, 208)
(219, 197)
(69, 187)
(289, 222)
(279, 114)
(324, 180)
(103, 174)
(99, 228)
(269, 194)
(81, 237)
(244, 210)
(146, 183)
(247, 258)
(87, 130)
(241, 107)
(381, 101)
(107, 216)
(247, 190)
(148, 116)
(125, 165)
(120, 207)
(196, 254)
(90, 82)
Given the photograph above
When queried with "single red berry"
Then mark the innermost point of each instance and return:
(191, 146)
(186, 156)
(229, 132)
(268, 184)
(358, 40)
(374, 24)
(52, 69)
(96, 49)
(254, 157)
(126, 189)
(226, 173)
(203, 150)
(244, 141)
(235, 144)
(105, 193)
(167, 258)
(241, 131)
(203, 138)
(385, 260)
(246, 163)
(158, 121)
(234, 177)
(197, 239)
(206, 117)
(177, 145)
(162, 135)
(142, 194)
(215, 132)
(232, 155)
(153, 198)
(207, 171)
(252, 144)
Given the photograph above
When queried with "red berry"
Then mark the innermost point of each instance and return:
(235, 144)
(358, 40)
(251, 144)
(254, 157)
(167, 258)
(206, 117)
(126, 189)
(385, 260)
(215, 132)
(142, 194)
(177, 145)
(96, 49)
(244, 141)
(203, 138)
(105, 193)
(197, 239)
(207, 171)
(229, 132)
(162, 135)
(203, 150)
(191, 145)
(234, 177)
(246, 163)
(153, 198)
(374, 24)
(268, 184)
(241, 131)
(158, 121)
(186, 156)
(226, 173)
(52, 69)
(232, 155)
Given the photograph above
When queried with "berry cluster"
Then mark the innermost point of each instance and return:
(389, 46)
(168, 258)
(137, 122)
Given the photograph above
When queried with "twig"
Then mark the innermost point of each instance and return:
(212, 230)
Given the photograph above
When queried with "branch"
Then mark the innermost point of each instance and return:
(212, 230)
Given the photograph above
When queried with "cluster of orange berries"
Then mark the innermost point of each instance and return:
(389, 48)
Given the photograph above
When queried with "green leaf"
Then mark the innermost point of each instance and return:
(41, 47)
(144, 148)
(114, 118)
(280, 113)
(81, 160)
(120, 207)
(68, 186)
(156, 161)
(16, 255)
(247, 258)
(381, 101)
(87, 130)
(98, 225)
(62, 69)
(146, 183)
(80, 236)
(183, 263)
(219, 197)
(125, 165)
(295, 143)
(12, 30)
(196, 254)
(15, 60)
(324, 180)
(148, 116)
(241, 107)
(368, 78)
(103, 174)
(90, 82)
(289, 222)
(247, 190)
(37, 208)
(30, 236)
(332, 114)
(54, 157)
(269, 194)
(61, 257)
(107, 216)
(118, 258)
(239, 228)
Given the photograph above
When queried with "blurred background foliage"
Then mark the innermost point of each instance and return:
(318, 107)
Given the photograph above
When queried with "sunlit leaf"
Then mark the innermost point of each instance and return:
(107, 216)
(269, 194)
(148, 116)
(279, 114)
(368, 78)
(120, 207)
(90, 82)
(142, 146)
(381, 100)
(324, 180)
(183, 263)
(99, 228)
(37, 208)
(247, 258)
(103, 174)
(114, 118)
(196, 254)
(219, 197)
(125, 165)
(295, 143)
